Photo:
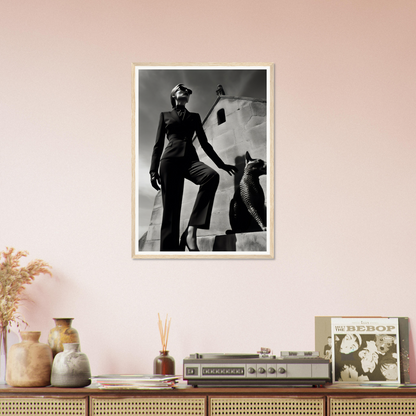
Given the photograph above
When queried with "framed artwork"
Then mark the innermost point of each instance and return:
(202, 161)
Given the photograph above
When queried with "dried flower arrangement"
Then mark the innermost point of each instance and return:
(13, 279)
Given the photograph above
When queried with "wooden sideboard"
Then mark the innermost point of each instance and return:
(190, 401)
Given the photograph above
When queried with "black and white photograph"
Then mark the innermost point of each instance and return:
(365, 350)
(202, 149)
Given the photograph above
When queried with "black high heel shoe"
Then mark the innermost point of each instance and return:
(183, 243)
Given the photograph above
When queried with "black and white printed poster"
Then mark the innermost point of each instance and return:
(202, 161)
(365, 350)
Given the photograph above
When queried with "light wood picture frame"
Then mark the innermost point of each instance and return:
(235, 104)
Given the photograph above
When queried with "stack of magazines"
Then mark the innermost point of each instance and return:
(145, 382)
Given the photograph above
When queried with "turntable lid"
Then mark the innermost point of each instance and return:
(225, 356)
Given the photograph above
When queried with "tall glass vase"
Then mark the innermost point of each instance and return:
(3, 349)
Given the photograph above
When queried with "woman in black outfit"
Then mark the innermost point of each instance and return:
(179, 162)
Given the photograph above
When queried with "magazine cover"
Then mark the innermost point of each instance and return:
(365, 350)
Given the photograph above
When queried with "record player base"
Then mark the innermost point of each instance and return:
(189, 401)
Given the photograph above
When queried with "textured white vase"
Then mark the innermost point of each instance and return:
(70, 368)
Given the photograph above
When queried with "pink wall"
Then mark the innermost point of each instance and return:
(345, 198)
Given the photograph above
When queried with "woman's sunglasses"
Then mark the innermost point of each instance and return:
(184, 89)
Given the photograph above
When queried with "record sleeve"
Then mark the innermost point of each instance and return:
(365, 350)
(323, 340)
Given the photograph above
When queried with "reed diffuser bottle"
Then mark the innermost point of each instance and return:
(164, 364)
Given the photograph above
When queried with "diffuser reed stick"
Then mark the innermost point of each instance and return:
(164, 331)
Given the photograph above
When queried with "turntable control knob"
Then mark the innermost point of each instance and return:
(271, 370)
(281, 370)
(262, 370)
(251, 370)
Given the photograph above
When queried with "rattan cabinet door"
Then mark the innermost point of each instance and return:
(396, 406)
(53, 406)
(154, 406)
(267, 406)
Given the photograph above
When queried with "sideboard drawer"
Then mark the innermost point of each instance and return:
(154, 406)
(51, 406)
(267, 406)
(368, 406)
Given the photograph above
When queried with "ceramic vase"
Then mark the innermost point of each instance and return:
(164, 364)
(71, 368)
(63, 333)
(29, 362)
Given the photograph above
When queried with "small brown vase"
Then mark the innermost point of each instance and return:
(29, 363)
(63, 333)
(164, 364)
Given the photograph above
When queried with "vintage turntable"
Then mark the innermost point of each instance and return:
(262, 369)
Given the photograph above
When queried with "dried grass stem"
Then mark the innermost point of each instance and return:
(13, 279)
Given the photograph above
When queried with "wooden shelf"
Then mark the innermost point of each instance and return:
(209, 401)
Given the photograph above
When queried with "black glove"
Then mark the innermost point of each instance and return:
(155, 180)
(230, 169)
